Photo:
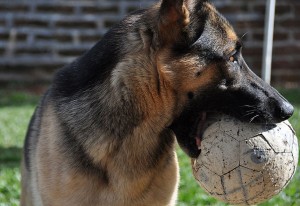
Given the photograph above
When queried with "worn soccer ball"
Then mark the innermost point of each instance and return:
(244, 163)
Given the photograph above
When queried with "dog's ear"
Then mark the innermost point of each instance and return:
(173, 12)
(173, 17)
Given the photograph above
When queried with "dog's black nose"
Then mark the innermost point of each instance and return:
(284, 111)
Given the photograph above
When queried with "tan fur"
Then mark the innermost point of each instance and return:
(25, 187)
(66, 182)
(231, 34)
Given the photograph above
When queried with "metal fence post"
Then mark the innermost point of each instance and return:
(268, 40)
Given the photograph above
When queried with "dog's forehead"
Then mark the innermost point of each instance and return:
(218, 35)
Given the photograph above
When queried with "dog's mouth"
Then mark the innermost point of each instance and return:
(189, 129)
(200, 128)
(190, 126)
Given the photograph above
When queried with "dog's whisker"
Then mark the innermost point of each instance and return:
(249, 106)
(251, 110)
(247, 114)
(254, 117)
(244, 35)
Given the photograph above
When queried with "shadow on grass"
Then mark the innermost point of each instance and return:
(11, 98)
(10, 157)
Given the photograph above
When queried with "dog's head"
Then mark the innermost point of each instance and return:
(201, 59)
(174, 61)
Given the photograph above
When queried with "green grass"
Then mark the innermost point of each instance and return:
(16, 109)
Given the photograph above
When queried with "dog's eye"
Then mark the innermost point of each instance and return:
(233, 59)
(233, 56)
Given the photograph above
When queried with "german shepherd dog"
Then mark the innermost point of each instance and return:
(105, 131)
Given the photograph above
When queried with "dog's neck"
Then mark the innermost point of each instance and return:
(118, 113)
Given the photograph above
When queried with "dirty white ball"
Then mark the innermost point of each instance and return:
(244, 163)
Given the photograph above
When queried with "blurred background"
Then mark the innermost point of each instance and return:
(39, 36)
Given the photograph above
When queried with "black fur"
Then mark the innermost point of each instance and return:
(73, 150)
(94, 66)
(91, 68)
